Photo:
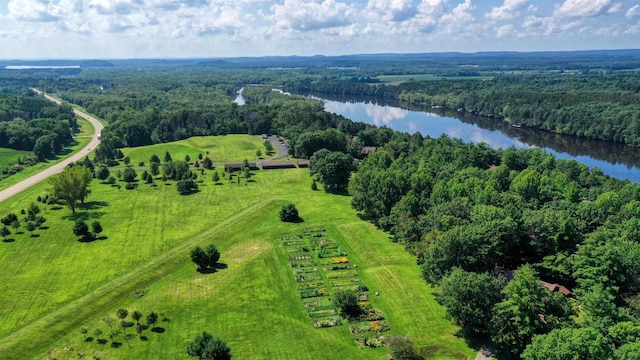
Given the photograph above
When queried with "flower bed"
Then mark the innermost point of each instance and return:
(341, 274)
(299, 257)
(340, 260)
(312, 303)
(321, 241)
(299, 249)
(326, 253)
(373, 342)
(326, 322)
(304, 263)
(322, 311)
(293, 242)
(308, 293)
(372, 315)
(373, 326)
(310, 285)
(345, 282)
(337, 267)
(308, 277)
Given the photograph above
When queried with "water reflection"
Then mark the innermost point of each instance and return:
(617, 160)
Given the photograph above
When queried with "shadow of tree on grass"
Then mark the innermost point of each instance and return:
(214, 269)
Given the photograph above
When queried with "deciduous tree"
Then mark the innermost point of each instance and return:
(71, 185)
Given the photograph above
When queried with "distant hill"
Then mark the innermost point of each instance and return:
(95, 63)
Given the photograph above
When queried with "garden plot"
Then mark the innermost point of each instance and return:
(321, 268)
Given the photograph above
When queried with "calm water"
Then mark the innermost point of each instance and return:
(31, 67)
(616, 160)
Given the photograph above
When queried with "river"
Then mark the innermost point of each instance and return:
(616, 160)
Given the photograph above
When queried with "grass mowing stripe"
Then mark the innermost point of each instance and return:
(61, 322)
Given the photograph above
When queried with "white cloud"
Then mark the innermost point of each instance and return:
(615, 8)
(633, 12)
(31, 10)
(509, 10)
(504, 30)
(303, 15)
(393, 10)
(582, 8)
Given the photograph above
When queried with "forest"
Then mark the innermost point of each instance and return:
(29, 122)
(488, 226)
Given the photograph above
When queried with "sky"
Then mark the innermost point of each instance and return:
(116, 29)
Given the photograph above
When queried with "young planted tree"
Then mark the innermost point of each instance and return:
(81, 229)
(136, 315)
(96, 227)
(127, 160)
(199, 257)
(258, 153)
(5, 232)
(15, 225)
(9, 219)
(167, 157)
(216, 177)
(154, 159)
(129, 175)
(154, 168)
(30, 227)
(213, 255)
(97, 332)
(102, 173)
(207, 163)
(33, 211)
(152, 319)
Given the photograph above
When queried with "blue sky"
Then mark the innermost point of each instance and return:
(37, 29)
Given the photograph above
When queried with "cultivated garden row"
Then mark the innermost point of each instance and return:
(329, 287)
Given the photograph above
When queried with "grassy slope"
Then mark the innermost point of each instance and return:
(52, 285)
(221, 149)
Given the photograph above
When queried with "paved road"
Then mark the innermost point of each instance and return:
(24, 184)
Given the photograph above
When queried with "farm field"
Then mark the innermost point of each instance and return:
(52, 285)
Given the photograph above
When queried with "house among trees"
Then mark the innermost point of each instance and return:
(366, 150)
(556, 288)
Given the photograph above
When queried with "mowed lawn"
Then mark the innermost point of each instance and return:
(51, 286)
(220, 149)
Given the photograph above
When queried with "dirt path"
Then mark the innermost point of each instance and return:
(44, 174)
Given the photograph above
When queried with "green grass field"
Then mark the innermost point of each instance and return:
(221, 149)
(52, 285)
(10, 157)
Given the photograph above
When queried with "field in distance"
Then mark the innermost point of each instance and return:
(52, 285)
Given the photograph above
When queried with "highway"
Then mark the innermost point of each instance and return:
(44, 174)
